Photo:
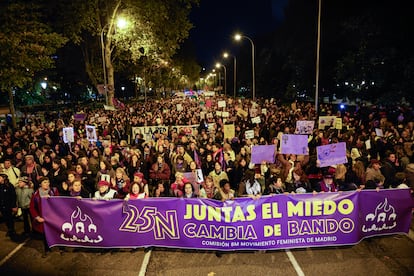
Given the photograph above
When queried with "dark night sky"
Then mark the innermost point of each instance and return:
(216, 21)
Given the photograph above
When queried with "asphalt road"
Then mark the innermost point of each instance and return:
(391, 255)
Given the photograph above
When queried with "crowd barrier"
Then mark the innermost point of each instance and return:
(271, 222)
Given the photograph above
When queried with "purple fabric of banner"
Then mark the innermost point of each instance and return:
(263, 153)
(332, 154)
(271, 222)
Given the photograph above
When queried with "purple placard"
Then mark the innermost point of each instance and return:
(263, 153)
(79, 117)
(332, 154)
(294, 144)
(271, 222)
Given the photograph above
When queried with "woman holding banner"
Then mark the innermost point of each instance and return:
(43, 191)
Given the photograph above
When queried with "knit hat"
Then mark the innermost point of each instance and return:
(103, 183)
(139, 174)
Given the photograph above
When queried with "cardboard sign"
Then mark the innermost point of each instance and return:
(326, 121)
(91, 133)
(68, 135)
(332, 154)
(262, 153)
(229, 131)
(249, 134)
(304, 127)
(256, 120)
(294, 144)
(338, 123)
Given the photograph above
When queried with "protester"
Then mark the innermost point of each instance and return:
(12, 172)
(8, 206)
(135, 192)
(36, 212)
(177, 187)
(104, 191)
(327, 184)
(275, 186)
(78, 190)
(143, 183)
(32, 170)
(189, 191)
(374, 174)
(161, 190)
(208, 189)
(218, 174)
(24, 193)
(121, 183)
(225, 191)
(250, 186)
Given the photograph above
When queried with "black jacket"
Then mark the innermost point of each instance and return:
(7, 196)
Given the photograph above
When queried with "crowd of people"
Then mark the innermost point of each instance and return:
(36, 162)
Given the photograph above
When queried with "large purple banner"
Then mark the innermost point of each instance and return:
(271, 222)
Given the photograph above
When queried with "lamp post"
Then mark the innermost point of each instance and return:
(218, 65)
(104, 64)
(121, 23)
(226, 55)
(238, 37)
(318, 44)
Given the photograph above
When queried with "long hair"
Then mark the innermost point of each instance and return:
(359, 169)
(124, 174)
(340, 172)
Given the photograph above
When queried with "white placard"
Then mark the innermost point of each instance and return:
(68, 135)
(379, 132)
(91, 133)
(249, 134)
(256, 120)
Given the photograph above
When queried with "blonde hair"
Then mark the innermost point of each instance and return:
(179, 174)
(340, 172)
(122, 171)
(359, 169)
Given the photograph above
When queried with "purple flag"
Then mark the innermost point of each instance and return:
(271, 222)
(79, 117)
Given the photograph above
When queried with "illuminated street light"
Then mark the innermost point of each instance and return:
(238, 37)
(218, 65)
(121, 24)
(226, 55)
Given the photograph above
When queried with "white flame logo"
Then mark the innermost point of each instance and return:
(77, 224)
(384, 218)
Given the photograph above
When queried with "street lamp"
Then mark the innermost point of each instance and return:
(104, 64)
(121, 24)
(218, 65)
(238, 37)
(226, 55)
(318, 45)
